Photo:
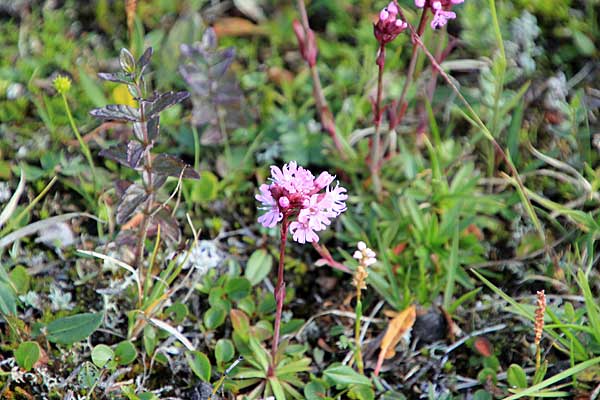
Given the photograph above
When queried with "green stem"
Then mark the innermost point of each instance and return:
(196, 148)
(84, 148)
(357, 344)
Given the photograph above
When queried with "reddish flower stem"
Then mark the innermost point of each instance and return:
(325, 115)
(279, 291)
(377, 109)
(402, 105)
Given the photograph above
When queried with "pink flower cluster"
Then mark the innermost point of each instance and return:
(388, 26)
(294, 191)
(441, 10)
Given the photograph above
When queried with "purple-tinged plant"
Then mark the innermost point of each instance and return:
(294, 192)
(440, 9)
(388, 26)
(386, 29)
(135, 153)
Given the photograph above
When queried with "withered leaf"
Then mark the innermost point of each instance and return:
(172, 166)
(116, 112)
(397, 328)
(169, 227)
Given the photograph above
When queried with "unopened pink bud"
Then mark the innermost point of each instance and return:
(384, 15)
(284, 202)
(392, 9)
(420, 3)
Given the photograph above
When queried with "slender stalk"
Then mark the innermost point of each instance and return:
(486, 133)
(84, 147)
(375, 150)
(325, 115)
(143, 231)
(401, 110)
(357, 344)
(279, 291)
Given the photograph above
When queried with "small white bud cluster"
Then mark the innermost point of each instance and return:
(364, 255)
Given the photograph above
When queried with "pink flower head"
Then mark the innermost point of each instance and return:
(441, 10)
(388, 26)
(295, 192)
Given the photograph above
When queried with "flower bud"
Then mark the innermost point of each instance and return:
(62, 84)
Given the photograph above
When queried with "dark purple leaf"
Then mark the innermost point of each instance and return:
(118, 77)
(221, 63)
(128, 154)
(116, 112)
(143, 129)
(209, 39)
(214, 87)
(170, 166)
(157, 180)
(145, 59)
(121, 186)
(134, 196)
(162, 101)
(153, 127)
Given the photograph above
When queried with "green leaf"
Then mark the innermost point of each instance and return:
(206, 189)
(101, 354)
(149, 339)
(241, 323)
(127, 61)
(482, 395)
(361, 392)
(8, 301)
(237, 288)
(277, 389)
(338, 374)
(535, 389)
(516, 377)
(125, 353)
(74, 328)
(178, 312)
(214, 317)
(258, 267)
(91, 89)
(591, 303)
(20, 278)
(584, 43)
(200, 364)
(27, 354)
(224, 351)
(315, 391)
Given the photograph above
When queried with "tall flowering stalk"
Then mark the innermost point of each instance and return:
(386, 29)
(539, 326)
(303, 205)
(365, 257)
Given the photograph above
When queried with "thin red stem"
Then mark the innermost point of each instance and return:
(378, 111)
(325, 115)
(279, 291)
(401, 110)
